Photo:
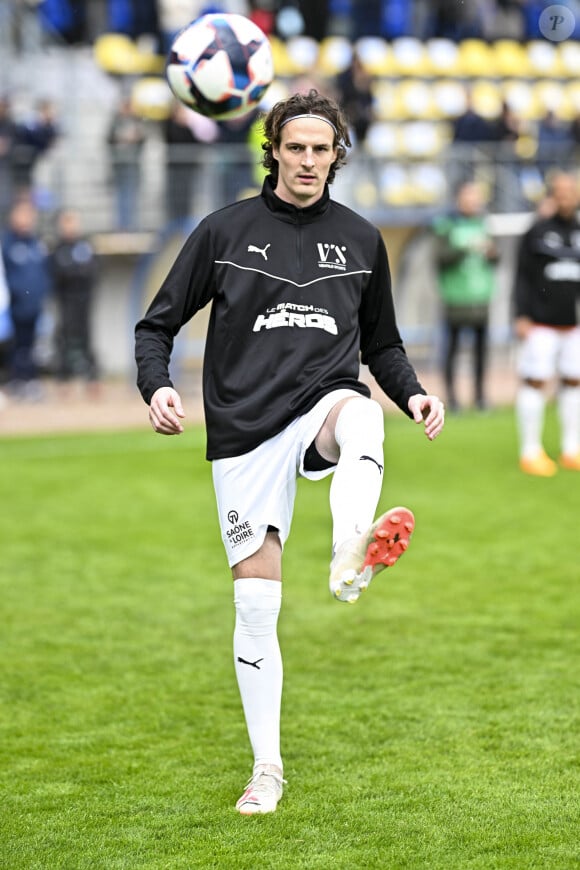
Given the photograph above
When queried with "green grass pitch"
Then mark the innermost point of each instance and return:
(435, 724)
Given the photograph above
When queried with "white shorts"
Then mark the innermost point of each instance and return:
(257, 489)
(547, 352)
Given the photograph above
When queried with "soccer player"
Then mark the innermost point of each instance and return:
(300, 290)
(547, 291)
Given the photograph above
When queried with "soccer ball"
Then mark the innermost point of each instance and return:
(220, 65)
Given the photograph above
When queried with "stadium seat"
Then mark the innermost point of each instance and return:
(409, 57)
(302, 53)
(442, 57)
(569, 55)
(573, 96)
(449, 98)
(476, 59)
(510, 58)
(376, 55)
(551, 96)
(394, 187)
(427, 183)
(119, 55)
(151, 98)
(335, 55)
(543, 59)
(522, 98)
(283, 65)
(420, 139)
(385, 99)
(382, 140)
(415, 99)
(487, 98)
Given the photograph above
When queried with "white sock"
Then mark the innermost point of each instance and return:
(258, 664)
(358, 478)
(530, 405)
(569, 412)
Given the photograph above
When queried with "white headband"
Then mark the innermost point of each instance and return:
(308, 115)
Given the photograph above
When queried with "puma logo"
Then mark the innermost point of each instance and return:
(255, 664)
(370, 459)
(253, 249)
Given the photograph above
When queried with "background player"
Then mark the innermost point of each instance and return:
(547, 289)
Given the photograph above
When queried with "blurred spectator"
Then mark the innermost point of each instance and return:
(33, 138)
(186, 133)
(356, 98)
(7, 140)
(237, 166)
(471, 131)
(506, 131)
(505, 20)
(26, 261)
(465, 258)
(126, 138)
(555, 143)
(575, 138)
(470, 126)
(25, 25)
(74, 273)
(6, 330)
(173, 15)
(65, 20)
(459, 21)
(136, 18)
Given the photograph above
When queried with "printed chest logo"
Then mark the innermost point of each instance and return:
(331, 256)
(254, 249)
(292, 314)
(239, 530)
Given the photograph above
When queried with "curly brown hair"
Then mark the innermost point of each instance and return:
(311, 103)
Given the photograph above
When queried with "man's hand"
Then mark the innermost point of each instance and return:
(430, 411)
(165, 411)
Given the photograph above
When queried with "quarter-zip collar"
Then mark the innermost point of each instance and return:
(290, 213)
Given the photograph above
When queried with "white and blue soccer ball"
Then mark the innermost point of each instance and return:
(220, 65)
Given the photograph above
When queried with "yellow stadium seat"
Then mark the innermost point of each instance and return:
(151, 98)
(421, 139)
(522, 98)
(394, 186)
(335, 55)
(382, 140)
(487, 98)
(376, 55)
(427, 183)
(302, 53)
(442, 57)
(476, 58)
(449, 98)
(119, 55)
(415, 99)
(283, 66)
(385, 100)
(510, 58)
(569, 54)
(543, 59)
(552, 96)
(573, 95)
(409, 56)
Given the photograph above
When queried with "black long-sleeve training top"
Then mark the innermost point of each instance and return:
(298, 296)
(547, 285)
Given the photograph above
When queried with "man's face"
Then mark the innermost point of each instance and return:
(565, 195)
(304, 157)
